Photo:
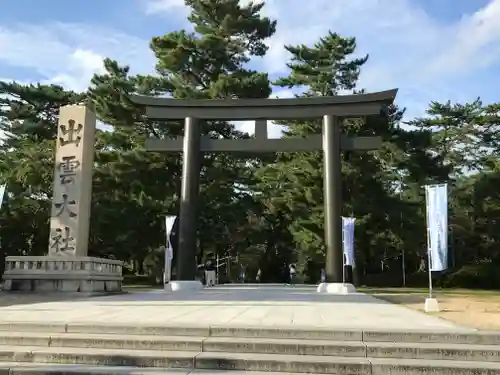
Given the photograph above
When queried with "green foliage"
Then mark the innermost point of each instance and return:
(264, 213)
(324, 69)
(476, 276)
(207, 63)
(463, 135)
(372, 181)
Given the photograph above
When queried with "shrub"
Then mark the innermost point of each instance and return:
(477, 276)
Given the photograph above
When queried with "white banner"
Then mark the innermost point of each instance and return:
(2, 193)
(169, 251)
(348, 224)
(437, 226)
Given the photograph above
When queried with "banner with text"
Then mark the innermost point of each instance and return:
(2, 193)
(348, 224)
(436, 197)
(169, 250)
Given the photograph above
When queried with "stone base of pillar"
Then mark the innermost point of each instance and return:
(47, 274)
(336, 288)
(431, 305)
(184, 285)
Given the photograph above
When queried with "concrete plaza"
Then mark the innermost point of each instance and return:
(231, 305)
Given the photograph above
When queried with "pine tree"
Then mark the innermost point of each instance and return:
(209, 62)
(369, 179)
(463, 135)
(463, 141)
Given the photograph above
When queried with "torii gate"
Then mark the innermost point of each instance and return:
(332, 109)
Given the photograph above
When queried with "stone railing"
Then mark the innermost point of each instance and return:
(18, 264)
(59, 273)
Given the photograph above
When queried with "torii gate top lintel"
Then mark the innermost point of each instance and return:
(270, 109)
(261, 110)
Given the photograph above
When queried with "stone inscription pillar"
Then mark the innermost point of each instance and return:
(69, 221)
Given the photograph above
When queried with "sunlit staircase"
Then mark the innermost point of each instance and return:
(108, 349)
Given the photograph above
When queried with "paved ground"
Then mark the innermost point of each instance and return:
(228, 305)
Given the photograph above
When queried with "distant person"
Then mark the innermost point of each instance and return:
(257, 278)
(210, 269)
(293, 272)
(285, 273)
(242, 273)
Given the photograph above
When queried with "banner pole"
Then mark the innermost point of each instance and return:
(343, 252)
(166, 273)
(165, 267)
(167, 270)
(165, 276)
(217, 270)
(429, 264)
(343, 270)
(428, 241)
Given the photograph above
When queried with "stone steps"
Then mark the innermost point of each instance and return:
(431, 351)
(14, 368)
(260, 349)
(241, 362)
(306, 333)
(275, 332)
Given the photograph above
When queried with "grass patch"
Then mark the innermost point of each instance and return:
(425, 291)
(467, 307)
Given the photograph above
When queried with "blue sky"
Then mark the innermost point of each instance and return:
(429, 49)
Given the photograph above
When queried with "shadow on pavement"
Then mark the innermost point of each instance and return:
(24, 298)
(401, 298)
(233, 293)
(244, 293)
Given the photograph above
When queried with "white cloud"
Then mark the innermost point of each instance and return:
(69, 54)
(408, 48)
(82, 64)
(476, 43)
(164, 6)
(425, 57)
(387, 29)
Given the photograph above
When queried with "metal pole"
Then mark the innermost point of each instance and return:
(165, 273)
(429, 265)
(343, 273)
(452, 241)
(343, 254)
(217, 270)
(188, 220)
(403, 262)
(165, 263)
(428, 244)
(332, 190)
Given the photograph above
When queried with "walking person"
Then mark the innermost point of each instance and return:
(242, 273)
(210, 269)
(293, 272)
